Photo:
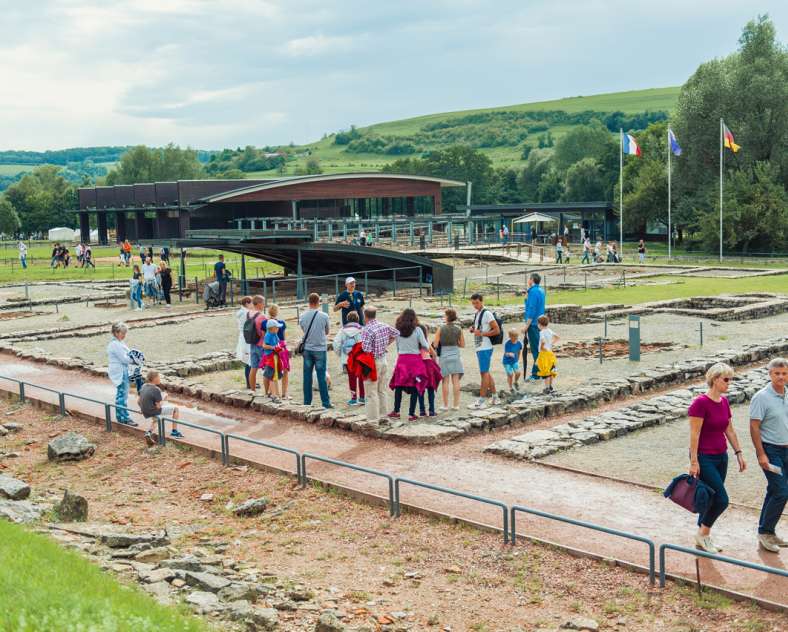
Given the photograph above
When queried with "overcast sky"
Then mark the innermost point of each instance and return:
(221, 73)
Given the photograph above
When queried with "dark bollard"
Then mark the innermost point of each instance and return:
(601, 350)
(605, 325)
(700, 330)
(634, 338)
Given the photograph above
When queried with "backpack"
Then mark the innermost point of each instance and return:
(497, 338)
(250, 331)
(349, 342)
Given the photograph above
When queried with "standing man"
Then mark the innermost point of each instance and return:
(375, 339)
(256, 347)
(315, 325)
(535, 304)
(769, 432)
(350, 300)
(219, 270)
(586, 250)
(505, 233)
(23, 254)
(149, 278)
(483, 329)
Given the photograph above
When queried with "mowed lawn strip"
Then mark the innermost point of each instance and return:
(44, 587)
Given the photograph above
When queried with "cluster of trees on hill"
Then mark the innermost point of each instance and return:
(483, 130)
(248, 159)
(62, 156)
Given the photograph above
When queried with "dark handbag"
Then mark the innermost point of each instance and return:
(684, 492)
(302, 344)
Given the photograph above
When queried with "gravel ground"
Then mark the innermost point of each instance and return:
(424, 573)
(655, 455)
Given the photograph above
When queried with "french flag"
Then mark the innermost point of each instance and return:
(631, 146)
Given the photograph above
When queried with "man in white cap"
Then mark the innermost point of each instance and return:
(350, 300)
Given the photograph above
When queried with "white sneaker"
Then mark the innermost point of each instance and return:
(476, 404)
(704, 543)
(494, 401)
(483, 405)
(455, 408)
(767, 542)
(444, 409)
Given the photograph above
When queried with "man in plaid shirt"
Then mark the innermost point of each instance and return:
(375, 339)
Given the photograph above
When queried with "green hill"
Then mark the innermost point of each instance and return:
(500, 132)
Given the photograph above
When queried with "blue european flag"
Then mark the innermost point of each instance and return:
(674, 144)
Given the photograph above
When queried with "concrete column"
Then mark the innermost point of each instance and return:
(330, 230)
(84, 228)
(294, 207)
(449, 233)
(120, 226)
(184, 222)
(299, 278)
(344, 230)
(160, 225)
(244, 284)
(393, 232)
(103, 236)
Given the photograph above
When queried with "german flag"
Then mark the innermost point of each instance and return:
(728, 141)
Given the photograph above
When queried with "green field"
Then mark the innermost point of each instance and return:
(334, 158)
(44, 587)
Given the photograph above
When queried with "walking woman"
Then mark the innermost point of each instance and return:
(448, 341)
(710, 432)
(165, 278)
(118, 371)
(410, 374)
(242, 347)
(136, 288)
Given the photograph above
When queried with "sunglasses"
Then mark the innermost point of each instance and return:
(726, 379)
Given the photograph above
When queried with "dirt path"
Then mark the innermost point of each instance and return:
(461, 465)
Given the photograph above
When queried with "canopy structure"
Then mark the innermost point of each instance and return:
(533, 218)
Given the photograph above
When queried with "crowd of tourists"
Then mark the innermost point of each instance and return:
(712, 431)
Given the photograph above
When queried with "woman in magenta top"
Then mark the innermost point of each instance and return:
(710, 432)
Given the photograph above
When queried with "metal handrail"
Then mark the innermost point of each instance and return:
(588, 525)
(712, 556)
(393, 504)
(454, 492)
(267, 444)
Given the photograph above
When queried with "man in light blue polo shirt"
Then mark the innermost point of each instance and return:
(769, 432)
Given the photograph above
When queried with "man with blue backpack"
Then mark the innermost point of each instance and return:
(487, 331)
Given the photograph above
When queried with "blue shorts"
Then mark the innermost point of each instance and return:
(255, 355)
(484, 357)
(512, 368)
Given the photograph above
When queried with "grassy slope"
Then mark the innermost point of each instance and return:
(44, 587)
(334, 159)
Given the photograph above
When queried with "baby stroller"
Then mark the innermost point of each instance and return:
(212, 295)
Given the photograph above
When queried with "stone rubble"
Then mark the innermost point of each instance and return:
(662, 409)
(70, 446)
(13, 489)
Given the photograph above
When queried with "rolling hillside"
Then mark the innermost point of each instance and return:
(435, 130)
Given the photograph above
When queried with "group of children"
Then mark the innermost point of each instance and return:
(545, 361)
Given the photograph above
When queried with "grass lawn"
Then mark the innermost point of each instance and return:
(45, 587)
(677, 288)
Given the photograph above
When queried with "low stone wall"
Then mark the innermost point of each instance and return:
(720, 308)
(651, 412)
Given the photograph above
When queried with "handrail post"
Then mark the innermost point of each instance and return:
(303, 470)
(160, 423)
(22, 392)
(62, 401)
(662, 565)
(107, 418)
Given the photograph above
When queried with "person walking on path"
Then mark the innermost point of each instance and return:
(242, 347)
(126, 252)
(448, 341)
(586, 251)
(150, 401)
(769, 433)
(347, 338)
(559, 251)
(149, 279)
(165, 276)
(410, 374)
(710, 432)
(219, 269)
(22, 254)
(316, 325)
(350, 300)
(135, 293)
(87, 258)
(484, 328)
(256, 346)
(642, 251)
(376, 336)
(118, 362)
(535, 306)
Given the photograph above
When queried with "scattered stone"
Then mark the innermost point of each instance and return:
(251, 507)
(161, 591)
(12, 426)
(125, 540)
(262, 620)
(70, 447)
(239, 592)
(206, 498)
(206, 581)
(20, 511)
(328, 622)
(157, 575)
(204, 601)
(239, 610)
(157, 554)
(300, 593)
(178, 583)
(580, 623)
(73, 508)
(13, 488)
(185, 563)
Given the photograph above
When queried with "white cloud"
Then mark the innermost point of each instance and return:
(312, 45)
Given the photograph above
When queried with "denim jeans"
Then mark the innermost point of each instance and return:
(136, 293)
(586, 257)
(776, 489)
(23, 259)
(713, 469)
(533, 343)
(315, 360)
(121, 398)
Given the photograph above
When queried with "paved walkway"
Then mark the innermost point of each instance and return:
(463, 466)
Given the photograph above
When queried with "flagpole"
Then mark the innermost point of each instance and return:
(670, 232)
(721, 159)
(621, 193)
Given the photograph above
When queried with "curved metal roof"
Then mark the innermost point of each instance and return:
(293, 180)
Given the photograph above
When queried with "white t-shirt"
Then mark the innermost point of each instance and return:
(149, 271)
(546, 339)
(483, 324)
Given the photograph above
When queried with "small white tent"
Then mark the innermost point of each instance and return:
(77, 236)
(60, 234)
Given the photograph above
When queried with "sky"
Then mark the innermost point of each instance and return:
(210, 74)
